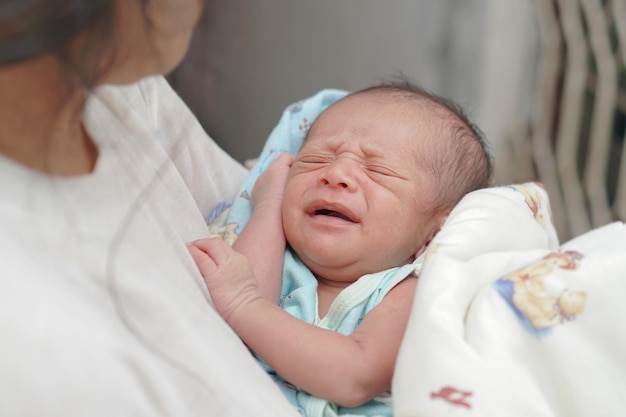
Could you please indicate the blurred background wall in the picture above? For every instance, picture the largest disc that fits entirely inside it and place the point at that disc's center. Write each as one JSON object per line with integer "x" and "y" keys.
{"x": 279, "y": 51}
{"x": 544, "y": 79}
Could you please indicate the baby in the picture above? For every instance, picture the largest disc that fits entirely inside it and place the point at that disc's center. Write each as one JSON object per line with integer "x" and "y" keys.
{"x": 376, "y": 177}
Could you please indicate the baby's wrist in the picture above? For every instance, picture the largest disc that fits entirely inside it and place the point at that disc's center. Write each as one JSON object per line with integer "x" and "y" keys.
{"x": 246, "y": 311}
{"x": 269, "y": 205}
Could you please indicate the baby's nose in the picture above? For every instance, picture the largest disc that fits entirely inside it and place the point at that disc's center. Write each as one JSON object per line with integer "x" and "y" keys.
{"x": 341, "y": 173}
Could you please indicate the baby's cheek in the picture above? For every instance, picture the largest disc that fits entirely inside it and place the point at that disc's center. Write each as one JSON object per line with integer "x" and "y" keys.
{"x": 289, "y": 224}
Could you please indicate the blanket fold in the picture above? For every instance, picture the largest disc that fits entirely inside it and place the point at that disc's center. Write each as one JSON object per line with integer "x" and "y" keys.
{"x": 507, "y": 322}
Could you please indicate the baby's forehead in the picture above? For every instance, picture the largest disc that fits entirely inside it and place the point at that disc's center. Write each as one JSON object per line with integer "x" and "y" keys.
{"x": 385, "y": 106}
{"x": 334, "y": 142}
{"x": 370, "y": 117}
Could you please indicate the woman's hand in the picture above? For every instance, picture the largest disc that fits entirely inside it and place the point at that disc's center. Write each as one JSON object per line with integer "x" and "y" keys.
{"x": 227, "y": 274}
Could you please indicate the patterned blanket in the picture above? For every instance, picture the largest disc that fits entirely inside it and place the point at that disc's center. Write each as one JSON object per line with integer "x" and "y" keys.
{"x": 508, "y": 323}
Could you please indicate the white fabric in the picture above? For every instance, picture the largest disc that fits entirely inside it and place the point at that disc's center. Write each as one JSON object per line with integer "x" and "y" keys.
{"x": 102, "y": 312}
{"x": 468, "y": 352}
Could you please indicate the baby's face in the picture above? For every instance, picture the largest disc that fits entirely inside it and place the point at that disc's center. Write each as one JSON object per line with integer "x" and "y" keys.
{"x": 357, "y": 197}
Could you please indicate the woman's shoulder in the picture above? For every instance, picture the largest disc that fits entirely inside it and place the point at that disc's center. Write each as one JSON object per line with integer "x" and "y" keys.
{"x": 146, "y": 93}
{"x": 150, "y": 102}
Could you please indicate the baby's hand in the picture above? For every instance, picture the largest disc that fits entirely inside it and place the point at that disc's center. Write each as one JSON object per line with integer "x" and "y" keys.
{"x": 227, "y": 274}
{"x": 270, "y": 186}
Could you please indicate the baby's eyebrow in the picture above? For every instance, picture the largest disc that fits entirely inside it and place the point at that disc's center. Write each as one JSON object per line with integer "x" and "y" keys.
{"x": 370, "y": 149}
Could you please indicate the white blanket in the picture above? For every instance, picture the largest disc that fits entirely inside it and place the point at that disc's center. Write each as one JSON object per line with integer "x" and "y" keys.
{"x": 508, "y": 323}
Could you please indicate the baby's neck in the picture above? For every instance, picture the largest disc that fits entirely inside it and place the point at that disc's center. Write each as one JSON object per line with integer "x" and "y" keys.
{"x": 327, "y": 291}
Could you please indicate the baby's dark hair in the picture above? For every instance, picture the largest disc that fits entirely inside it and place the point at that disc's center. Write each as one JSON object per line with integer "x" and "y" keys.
{"x": 460, "y": 164}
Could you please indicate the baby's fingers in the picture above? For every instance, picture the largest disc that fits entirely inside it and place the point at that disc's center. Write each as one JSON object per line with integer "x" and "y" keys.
{"x": 203, "y": 261}
{"x": 214, "y": 258}
{"x": 208, "y": 254}
{"x": 215, "y": 248}
{"x": 227, "y": 274}
{"x": 285, "y": 159}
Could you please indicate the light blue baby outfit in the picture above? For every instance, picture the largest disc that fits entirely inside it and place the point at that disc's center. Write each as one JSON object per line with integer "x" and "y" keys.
{"x": 299, "y": 286}
{"x": 299, "y": 298}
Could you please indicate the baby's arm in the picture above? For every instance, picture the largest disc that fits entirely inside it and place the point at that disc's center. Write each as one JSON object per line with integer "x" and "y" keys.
{"x": 348, "y": 370}
{"x": 262, "y": 241}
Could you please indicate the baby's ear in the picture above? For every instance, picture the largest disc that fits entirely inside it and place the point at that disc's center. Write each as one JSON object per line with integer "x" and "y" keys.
{"x": 437, "y": 224}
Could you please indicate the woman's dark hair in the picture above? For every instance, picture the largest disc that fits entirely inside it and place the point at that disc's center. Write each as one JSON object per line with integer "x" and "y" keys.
{"x": 32, "y": 28}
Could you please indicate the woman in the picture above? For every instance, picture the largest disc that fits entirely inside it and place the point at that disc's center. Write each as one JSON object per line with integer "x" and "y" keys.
{"x": 102, "y": 310}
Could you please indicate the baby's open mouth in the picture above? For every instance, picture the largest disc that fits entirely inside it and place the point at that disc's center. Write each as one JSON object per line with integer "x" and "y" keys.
{"x": 333, "y": 213}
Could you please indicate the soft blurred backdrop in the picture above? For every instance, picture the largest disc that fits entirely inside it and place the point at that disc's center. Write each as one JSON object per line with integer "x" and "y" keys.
{"x": 544, "y": 79}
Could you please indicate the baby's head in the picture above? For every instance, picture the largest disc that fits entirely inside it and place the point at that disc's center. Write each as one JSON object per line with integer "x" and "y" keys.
{"x": 452, "y": 149}
{"x": 376, "y": 177}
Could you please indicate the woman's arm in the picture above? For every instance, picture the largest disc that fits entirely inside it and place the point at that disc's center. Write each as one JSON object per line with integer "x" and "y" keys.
{"x": 348, "y": 370}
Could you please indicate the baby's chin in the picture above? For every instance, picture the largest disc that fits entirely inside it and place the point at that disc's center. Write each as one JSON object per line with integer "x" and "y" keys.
{"x": 332, "y": 264}
{"x": 344, "y": 274}
{"x": 332, "y": 269}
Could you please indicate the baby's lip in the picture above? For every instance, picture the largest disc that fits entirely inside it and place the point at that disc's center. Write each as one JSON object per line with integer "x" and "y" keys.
{"x": 325, "y": 208}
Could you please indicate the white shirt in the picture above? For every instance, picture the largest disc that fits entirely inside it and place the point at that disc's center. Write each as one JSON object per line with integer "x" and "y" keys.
{"x": 102, "y": 311}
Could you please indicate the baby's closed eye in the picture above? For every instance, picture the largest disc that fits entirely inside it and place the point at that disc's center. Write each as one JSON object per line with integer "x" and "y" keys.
{"x": 314, "y": 159}
{"x": 380, "y": 169}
